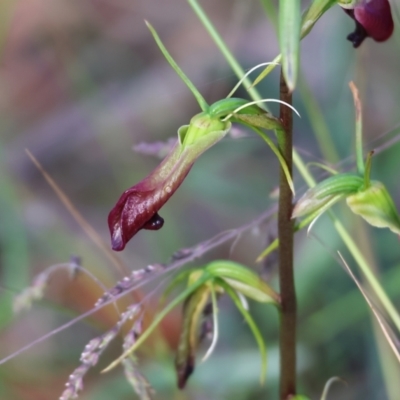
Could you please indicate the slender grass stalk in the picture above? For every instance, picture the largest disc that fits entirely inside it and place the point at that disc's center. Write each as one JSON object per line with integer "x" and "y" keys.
{"x": 287, "y": 333}
{"x": 317, "y": 121}
{"x": 237, "y": 69}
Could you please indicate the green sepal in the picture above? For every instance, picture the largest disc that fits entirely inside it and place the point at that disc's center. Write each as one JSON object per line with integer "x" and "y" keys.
{"x": 194, "y": 140}
{"x": 243, "y": 280}
{"x": 376, "y": 206}
{"x": 203, "y": 127}
{"x": 326, "y": 193}
{"x": 192, "y": 312}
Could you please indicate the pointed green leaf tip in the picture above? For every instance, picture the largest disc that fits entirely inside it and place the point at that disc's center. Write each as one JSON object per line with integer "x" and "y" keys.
{"x": 289, "y": 39}
{"x": 376, "y": 206}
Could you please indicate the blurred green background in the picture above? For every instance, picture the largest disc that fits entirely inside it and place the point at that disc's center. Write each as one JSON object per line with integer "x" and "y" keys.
{"x": 82, "y": 82}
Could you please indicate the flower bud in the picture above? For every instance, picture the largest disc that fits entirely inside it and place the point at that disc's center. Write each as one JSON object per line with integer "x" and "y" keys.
{"x": 376, "y": 206}
{"x": 322, "y": 196}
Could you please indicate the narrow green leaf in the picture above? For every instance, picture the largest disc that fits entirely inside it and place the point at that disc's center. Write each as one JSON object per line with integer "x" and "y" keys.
{"x": 278, "y": 154}
{"x": 200, "y": 99}
{"x": 313, "y": 13}
{"x": 252, "y": 325}
{"x": 310, "y": 17}
{"x": 289, "y": 39}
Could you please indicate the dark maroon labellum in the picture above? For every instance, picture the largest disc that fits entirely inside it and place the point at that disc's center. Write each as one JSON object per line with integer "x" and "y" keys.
{"x": 373, "y": 19}
{"x": 138, "y": 206}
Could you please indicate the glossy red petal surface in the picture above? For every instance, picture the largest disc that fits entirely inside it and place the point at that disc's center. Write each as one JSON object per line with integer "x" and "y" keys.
{"x": 376, "y": 18}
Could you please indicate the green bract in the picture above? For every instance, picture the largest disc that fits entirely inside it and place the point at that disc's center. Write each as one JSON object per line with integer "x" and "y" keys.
{"x": 327, "y": 193}
{"x": 376, "y": 206}
{"x": 368, "y": 199}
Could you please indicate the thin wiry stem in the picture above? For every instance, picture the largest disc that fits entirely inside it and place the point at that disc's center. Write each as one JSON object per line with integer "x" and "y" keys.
{"x": 287, "y": 334}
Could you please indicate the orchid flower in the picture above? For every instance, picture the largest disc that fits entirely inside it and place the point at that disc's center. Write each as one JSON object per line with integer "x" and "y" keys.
{"x": 373, "y": 19}
{"x": 138, "y": 206}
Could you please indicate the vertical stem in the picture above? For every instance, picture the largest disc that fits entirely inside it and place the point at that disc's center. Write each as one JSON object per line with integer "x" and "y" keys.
{"x": 287, "y": 338}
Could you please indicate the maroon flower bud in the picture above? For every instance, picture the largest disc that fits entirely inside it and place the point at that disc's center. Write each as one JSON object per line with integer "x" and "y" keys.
{"x": 138, "y": 206}
{"x": 373, "y": 18}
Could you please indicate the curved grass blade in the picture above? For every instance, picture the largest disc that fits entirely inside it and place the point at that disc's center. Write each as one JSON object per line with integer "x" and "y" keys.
{"x": 328, "y": 385}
